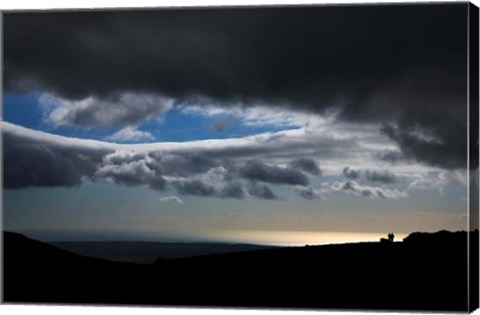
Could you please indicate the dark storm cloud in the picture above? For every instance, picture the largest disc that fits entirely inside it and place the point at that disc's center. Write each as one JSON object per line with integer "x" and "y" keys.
{"x": 381, "y": 176}
{"x": 30, "y": 163}
{"x": 379, "y": 64}
{"x": 442, "y": 147}
{"x": 194, "y": 187}
{"x": 262, "y": 191}
{"x": 307, "y": 165}
{"x": 391, "y": 156}
{"x": 255, "y": 170}
{"x": 300, "y": 54}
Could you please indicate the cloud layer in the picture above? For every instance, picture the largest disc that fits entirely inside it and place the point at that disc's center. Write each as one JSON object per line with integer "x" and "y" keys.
{"x": 230, "y": 168}
{"x": 351, "y": 186}
{"x": 124, "y": 109}
{"x": 31, "y": 161}
{"x": 122, "y": 68}
{"x": 382, "y": 176}
{"x": 172, "y": 51}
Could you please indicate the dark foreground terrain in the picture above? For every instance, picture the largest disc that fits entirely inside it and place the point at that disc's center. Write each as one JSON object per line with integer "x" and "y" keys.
{"x": 425, "y": 272}
{"x": 148, "y": 252}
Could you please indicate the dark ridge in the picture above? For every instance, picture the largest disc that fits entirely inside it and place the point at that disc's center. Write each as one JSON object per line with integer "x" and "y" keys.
{"x": 439, "y": 237}
{"x": 426, "y": 272}
{"x": 148, "y": 252}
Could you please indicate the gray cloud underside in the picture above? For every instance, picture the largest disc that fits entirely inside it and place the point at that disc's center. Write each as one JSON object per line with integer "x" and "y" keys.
{"x": 352, "y": 186}
{"x": 381, "y": 176}
{"x": 309, "y": 193}
{"x": 34, "y": 158}
{"x": 378, "y": 67}
{"x": 30, "y": 161}
{"x": 255, "y": 170}
{"x": 262, "y": 191}
{"x": 447, "y": 151}
{"x": 207, "y": 168}
{"x": 307, "y": 165}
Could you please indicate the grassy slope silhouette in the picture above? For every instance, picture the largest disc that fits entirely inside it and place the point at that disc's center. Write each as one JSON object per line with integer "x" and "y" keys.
{"x": 425, "y": 272}
{"x": 148, "y": 252}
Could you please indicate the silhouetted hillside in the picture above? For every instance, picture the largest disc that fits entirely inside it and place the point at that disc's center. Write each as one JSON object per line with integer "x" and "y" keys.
{"x": 438, "y": 238}
{"x": 148, "y": 252}
{"x": 415, "y": 275}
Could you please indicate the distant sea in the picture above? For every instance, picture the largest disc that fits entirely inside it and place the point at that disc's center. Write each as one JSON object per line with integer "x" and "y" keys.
{"x": 257, "y": 237}
{"x": 297, "y": 238}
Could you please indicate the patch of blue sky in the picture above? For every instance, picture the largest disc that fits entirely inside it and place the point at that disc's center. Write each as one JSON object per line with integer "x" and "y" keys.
{"x": 23, "y": 109}
{"x": 177, "y": 125}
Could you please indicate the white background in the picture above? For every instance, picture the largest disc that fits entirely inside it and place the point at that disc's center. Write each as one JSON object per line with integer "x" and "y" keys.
{"x": 97, "y": 310}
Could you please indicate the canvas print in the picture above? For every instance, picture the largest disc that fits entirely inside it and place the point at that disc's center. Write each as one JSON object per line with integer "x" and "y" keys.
{"x": 296, "y": 157}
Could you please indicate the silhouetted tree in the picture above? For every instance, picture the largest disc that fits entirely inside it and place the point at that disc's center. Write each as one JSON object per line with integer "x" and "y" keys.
{"x": 391, "y": 236}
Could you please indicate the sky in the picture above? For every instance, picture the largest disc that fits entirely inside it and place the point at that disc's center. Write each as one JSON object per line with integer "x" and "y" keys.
{"x": 268, "y": 125}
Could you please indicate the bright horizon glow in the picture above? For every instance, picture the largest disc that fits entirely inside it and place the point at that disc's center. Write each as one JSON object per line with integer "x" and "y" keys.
{"x": 297, "y": 238}
{"x": 254, "y": 237}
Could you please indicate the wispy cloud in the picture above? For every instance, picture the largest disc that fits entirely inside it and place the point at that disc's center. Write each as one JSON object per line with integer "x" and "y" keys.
{"x": 130, "y": 134}
{"x": 353, "y": 187}
{"x": 375, "y": 175}
{"x": 438, "y": 180}
{"x": 118, "y": 110}
{"x": 171, "y": 199}
{"x": 251, "y": 115}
